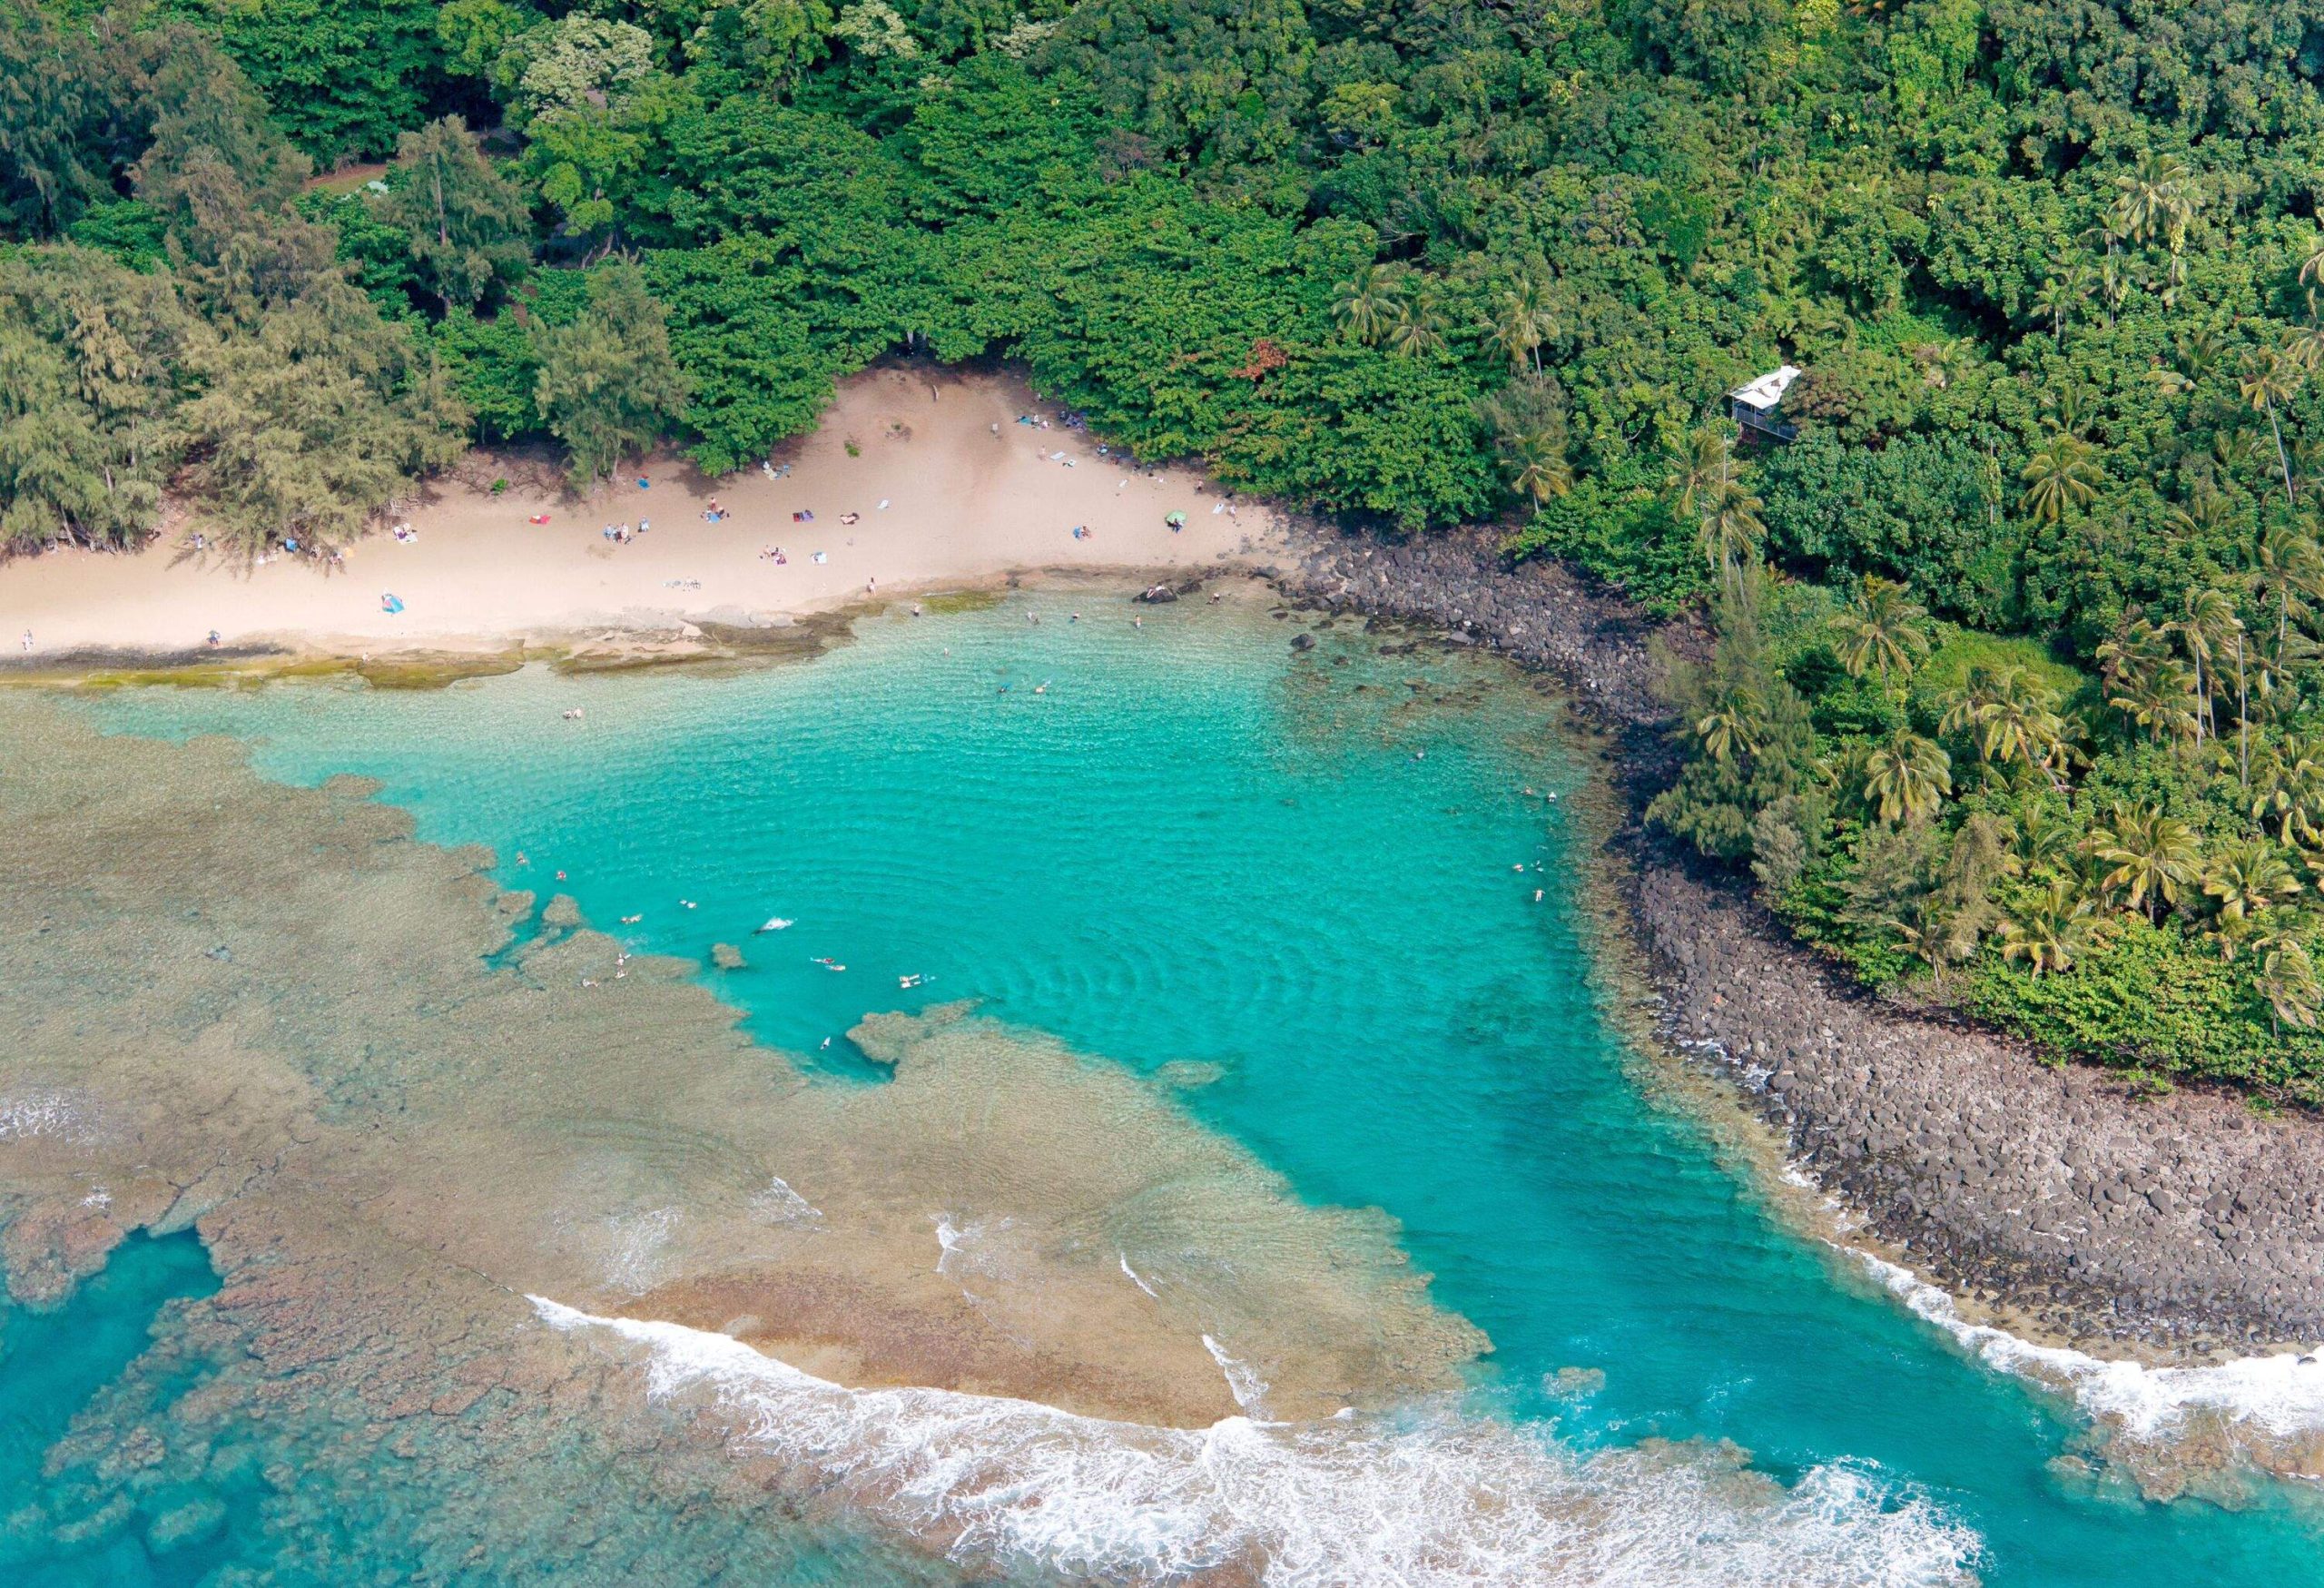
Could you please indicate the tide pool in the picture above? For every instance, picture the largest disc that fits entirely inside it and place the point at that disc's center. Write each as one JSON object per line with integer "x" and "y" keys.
{"x": 1301, "y": 890}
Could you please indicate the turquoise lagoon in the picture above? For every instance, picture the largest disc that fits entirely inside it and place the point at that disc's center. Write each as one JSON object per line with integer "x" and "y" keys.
{"x": 1300, "y": 889}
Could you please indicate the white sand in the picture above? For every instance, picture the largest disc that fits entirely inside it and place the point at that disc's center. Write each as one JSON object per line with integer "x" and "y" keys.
{"x": 972, "y": 496}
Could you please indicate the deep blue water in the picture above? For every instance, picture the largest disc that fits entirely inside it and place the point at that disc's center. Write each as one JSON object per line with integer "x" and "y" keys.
{"x": 1194, "y": 845}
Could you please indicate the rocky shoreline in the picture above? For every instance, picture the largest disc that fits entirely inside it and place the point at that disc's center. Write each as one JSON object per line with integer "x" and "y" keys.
{"x": 2052, "y": 1196}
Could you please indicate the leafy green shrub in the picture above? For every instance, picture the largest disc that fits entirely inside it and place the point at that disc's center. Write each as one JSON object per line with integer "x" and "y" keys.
{"x": 2152, "y": 999}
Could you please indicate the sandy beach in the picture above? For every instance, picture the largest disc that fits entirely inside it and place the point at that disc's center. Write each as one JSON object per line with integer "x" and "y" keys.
{"x": 947, "y": 488}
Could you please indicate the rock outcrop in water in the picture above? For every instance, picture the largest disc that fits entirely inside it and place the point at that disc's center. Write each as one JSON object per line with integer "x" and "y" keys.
{"x": 2052, "y": 1192}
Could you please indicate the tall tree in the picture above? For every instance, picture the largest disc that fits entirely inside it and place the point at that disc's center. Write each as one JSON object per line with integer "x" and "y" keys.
{"x": 1905, "y": 777}
{"x": 52, "y": 94}
{"x": 609, "y": 385}
{"x": 1881, "y": 627}
{"x": 2269, "y": 382}
{"x": 462, "y": 220}
{"x": 310, "y": 419}
{"x": 88, "y": 374}
{"x": 2059, "y": 478}
{"x": 1364, "y": 305}
{"x": 2153, "y": 856}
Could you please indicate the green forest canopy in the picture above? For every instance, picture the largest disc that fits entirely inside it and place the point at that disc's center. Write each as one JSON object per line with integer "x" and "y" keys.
{"x": 2015, "y": 691}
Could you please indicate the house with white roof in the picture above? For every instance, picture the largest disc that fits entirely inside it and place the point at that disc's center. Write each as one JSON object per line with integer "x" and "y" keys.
{"x": 1753, "y": 406}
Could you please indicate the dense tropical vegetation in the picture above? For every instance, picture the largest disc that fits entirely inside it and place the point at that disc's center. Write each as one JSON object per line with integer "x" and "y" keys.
{"x": 2014, "y": 700}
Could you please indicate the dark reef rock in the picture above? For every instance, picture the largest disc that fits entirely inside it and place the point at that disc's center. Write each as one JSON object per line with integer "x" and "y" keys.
{"x": 2051, "y": 1190}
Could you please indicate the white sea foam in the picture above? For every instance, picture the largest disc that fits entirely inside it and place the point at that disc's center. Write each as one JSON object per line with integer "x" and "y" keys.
{"x": 1242, "y": 1380}
{"x": 971, "y": 1251}
{"x": 26, "y": 1114}
{"x": 637, "y": 1257}
{"x": 1134, "y": 1279}
{"x": 1432, "y": 1501}
{"x": 779, "y": 1204}
{"x": 2281, "y": 1395}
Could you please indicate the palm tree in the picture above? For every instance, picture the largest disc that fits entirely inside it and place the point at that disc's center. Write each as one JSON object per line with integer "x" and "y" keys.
{"x": 1524, "y": 316}
{"x": 2288, "y": 784}
{"x": 2247, "y": 877}
{"x": 1731, "y": 728}
{"x": 2267, "y": 383}
{"x": 2200, "y": 352}
{"x": 2059, "y": 476}
{"x": 2012, "y": 715}
{"x": 2284, "y": 563}
{"x": 2113, "y": 287}
{"x": 2305, "y": 350}
{"x": 1710, "y": 485}
{"x": 1417, "y": 327}
{"x": 1906, "y": 776}
{"x": 2208, "y": 623}
{"x": 2287, "y": 980}
{"x": 1540, "y": 468}
{"x": 2156, "y": 197}
{"x": 2045, "y": 838}
{"x": 1881, "y": 627}
{"x": 2052, "y": 927}
{"x": 2203, "y": 518}
{"x": 1364, "y": 306}
{"x": 2153, "y": 856}
{"x": 2174, "y": 291}
{"x": 2159, "y": 696}
{"x": 2065, "y": 286}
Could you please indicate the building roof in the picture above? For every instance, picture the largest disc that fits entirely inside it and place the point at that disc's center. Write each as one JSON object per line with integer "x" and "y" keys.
{"x": 1767, "y": 389}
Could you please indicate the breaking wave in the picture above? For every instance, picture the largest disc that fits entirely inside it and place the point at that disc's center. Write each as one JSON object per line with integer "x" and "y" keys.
{"x": 1429, "y": 1499}
{"x": 2279, "y": 1397}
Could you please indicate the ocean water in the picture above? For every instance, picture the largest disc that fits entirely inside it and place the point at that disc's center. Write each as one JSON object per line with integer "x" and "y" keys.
{"x": 1300, "y": 892}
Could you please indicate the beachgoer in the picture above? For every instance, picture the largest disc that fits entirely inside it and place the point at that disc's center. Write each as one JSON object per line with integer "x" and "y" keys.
{"x": 213, "y": 639}
{"x": 28, "y": 642}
